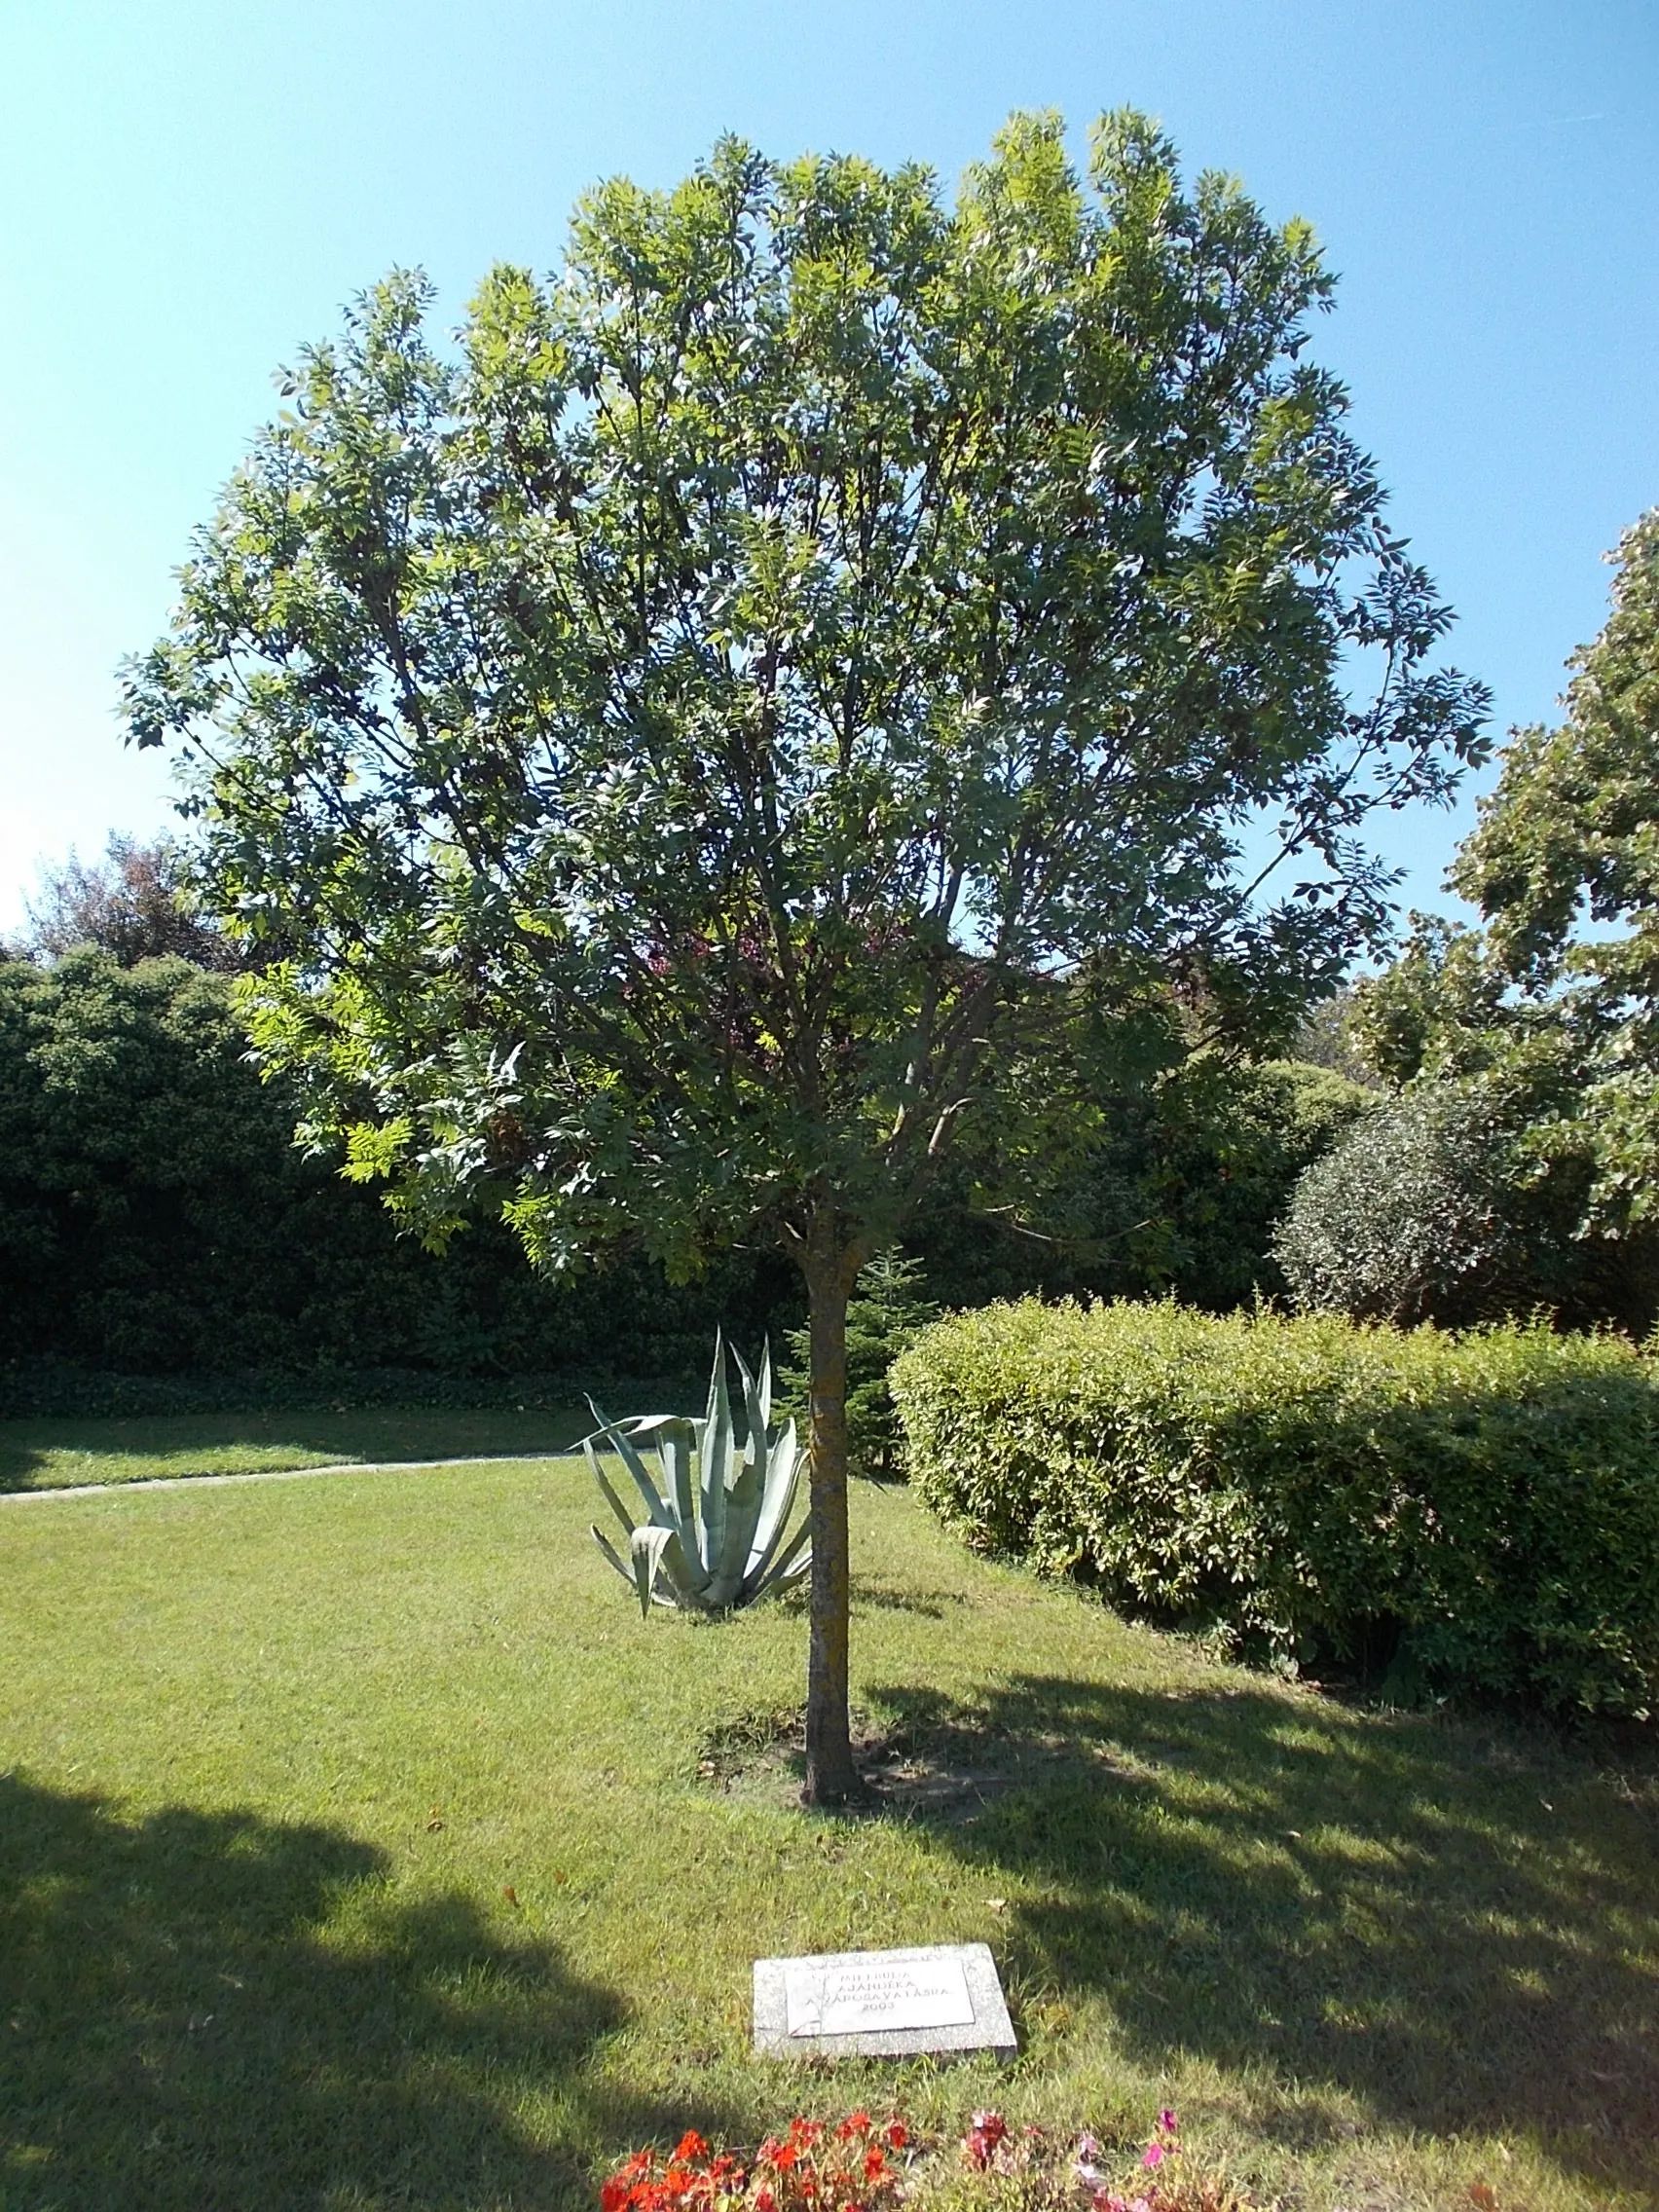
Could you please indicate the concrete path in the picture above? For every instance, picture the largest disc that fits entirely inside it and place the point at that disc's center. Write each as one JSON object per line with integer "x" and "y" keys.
{"x": 274, "y": 1475}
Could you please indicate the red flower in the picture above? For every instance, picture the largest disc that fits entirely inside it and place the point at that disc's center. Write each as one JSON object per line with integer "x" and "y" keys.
{"x": 813, "y": 2168}
{"x": 989, "y": 2128}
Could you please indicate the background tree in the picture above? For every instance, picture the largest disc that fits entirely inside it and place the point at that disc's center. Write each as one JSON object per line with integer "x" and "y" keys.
{"x": 1528, "y": 1048}
{"x": 137, "y": 905}
{"x": 1571, "y": 837}
{"x": 1325, "y": 1038}
{"x": 762, "y": 701}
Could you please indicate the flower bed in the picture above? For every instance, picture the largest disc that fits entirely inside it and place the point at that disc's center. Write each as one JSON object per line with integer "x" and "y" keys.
{"x": 848, "y": 2167}
{"x": 860, "y": 2165}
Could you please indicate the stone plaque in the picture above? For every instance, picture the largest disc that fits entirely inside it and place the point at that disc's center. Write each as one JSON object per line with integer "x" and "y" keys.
{"x": 828, "y": 2000}
{"x": 944, "y": 1997}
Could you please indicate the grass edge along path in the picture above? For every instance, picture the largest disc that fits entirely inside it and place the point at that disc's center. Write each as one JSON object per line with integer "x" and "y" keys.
{"x": 93, "y": 1486}
{"x": 101, "y": 1452}
{"x": 361, "y": 1845}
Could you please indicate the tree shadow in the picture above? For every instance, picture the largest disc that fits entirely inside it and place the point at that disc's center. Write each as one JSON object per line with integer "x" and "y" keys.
{"x": 1461, "y": 1929}
{"x": 215, "y": 2010}
{"x": 875, "y": 1593}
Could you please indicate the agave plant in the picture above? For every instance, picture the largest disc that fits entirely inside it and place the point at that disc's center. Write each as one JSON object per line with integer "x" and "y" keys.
{"x": 716, "y": 1510}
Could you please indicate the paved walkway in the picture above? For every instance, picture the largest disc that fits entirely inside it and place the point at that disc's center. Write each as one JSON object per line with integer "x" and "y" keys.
{"x": 274, "y": 1475}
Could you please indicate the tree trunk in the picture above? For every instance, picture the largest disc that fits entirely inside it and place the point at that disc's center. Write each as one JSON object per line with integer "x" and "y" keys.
{"x": 831, "y": 1779}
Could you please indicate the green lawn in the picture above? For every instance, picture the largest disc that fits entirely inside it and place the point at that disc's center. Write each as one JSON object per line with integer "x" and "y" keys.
{"x": 273, "y": 1758}
{"x": 53, "y": 1455}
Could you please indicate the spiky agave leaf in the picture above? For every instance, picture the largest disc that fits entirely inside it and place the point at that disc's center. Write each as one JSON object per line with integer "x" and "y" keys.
{"x": 615, "y": 1433}
{"x": 648, "y": 1548}
{"x": 610, "y": 1550}
{"x": 783, "y": 1470}
{"x": 715, "y": 1522}
{"x": 597, "y": 1470}
{"x": 746, "y": 1494}
{"x": 790, "y": 1565}
{"x": 715, "y": 1457}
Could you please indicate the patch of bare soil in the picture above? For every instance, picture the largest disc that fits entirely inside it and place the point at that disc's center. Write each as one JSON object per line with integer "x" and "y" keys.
{"x": 946, "y": 1775}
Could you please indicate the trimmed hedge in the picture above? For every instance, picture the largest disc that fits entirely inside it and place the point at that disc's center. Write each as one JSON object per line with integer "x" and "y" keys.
{"x": 157, "y": 1220}
{"x": 53, "y": 1390}
{"x": 1486, "y": 1505}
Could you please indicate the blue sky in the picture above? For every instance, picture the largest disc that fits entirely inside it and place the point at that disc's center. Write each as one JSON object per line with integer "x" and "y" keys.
{"x": 191, "y": 189}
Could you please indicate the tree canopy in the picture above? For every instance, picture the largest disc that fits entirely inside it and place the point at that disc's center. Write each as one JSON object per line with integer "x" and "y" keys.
{"x": 1554, "y": 997}
{"x": 134, "y": 905}
{"x": 760, "y": 699}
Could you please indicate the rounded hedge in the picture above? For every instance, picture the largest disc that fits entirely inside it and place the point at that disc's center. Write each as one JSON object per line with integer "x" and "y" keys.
{"x": 1488, "y": 1504}
{"x": 1406, "y": 1220}
{"x": 1462, "y": 1202}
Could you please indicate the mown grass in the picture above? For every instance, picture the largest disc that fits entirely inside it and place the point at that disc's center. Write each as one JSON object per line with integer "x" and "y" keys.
{"x": 53, "y": 1455}
{"x": 355, "y": 1853}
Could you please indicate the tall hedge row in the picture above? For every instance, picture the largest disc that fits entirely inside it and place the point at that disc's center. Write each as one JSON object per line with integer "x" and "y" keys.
{"x": 1489, "y": 1503}
{"x": 156, "y": 1219}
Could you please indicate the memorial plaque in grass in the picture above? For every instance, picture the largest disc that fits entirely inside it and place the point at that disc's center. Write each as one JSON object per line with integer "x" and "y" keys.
{"x": 942, "y": 1997}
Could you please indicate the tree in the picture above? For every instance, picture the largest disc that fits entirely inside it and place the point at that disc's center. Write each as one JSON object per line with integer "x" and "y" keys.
{"x": 1552, "y": 1031}
{"x": 1572, "y": 834}
{"x": 760, "y": 701}
{"x": 136, "y": 906}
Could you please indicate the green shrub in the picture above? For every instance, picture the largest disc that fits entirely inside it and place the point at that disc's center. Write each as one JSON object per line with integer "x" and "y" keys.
{"x": 1406, "y": 1220}
{"x": 1190, "y": 1171}
{"x": 1489, "y": 1503}
{"x": 1462, "y": 1202}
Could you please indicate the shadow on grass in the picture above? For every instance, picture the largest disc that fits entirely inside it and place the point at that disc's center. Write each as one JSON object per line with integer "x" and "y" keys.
{"x": 1460, "y": 1930}
{"x": 133, "y": 1447}
{"x": 177, "y": 2029}
{"x": 874, "y": 1592}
